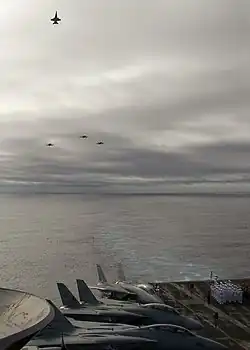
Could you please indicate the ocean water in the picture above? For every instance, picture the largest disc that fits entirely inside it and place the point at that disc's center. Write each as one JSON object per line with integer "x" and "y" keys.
{"x": 49, "y": 238}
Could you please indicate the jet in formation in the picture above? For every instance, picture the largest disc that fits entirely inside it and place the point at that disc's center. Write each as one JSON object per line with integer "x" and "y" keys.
{"x": 55, "y": 19}
{"x": 83, "y": 136}
{"x": 62, "y": 333}
{"x": 149, "y": 313}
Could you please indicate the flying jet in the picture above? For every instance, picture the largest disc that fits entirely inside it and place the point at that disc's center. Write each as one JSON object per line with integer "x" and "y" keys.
{"x": 55, "y": 19}
{"x": 50, "y": 144}
{"x": 144, "y": 295}
{"x": 97, "y": 337}
{"x": 152, "y": 313}
{"x": 92, "y": 335}
{"x": 83, "y": 136}
{"x": 96, "y": 313}
{"x": 99, "y": 143}
{"x": 112, "y": 290}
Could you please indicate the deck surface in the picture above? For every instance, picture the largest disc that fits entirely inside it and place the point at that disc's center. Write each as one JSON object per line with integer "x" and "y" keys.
{"x": 233, "y": 328}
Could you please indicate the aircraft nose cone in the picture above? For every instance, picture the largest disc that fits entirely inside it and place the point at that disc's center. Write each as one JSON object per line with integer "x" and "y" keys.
{"x": 193, "y": 325}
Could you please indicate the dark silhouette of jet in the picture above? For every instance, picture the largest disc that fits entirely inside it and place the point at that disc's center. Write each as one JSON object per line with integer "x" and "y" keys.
{"x": 56, "y": 19}
{"x": 83, "y": 137}
{"x": 99, "y": 143}
{"x": 50, "y": 144}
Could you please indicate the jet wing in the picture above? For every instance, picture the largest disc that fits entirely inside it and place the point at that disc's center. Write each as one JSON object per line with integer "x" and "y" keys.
{"x": 92, "y": 339}
{"x": 80, "y": 311}
{"x": 113, "y": 289}
{"x": 116, "y": 340}
{"x": 56, "y": 19}
{"x": 101, "y": 312}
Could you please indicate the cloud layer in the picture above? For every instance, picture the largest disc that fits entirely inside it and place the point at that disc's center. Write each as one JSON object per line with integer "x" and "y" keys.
{"x": 165, "y": 85}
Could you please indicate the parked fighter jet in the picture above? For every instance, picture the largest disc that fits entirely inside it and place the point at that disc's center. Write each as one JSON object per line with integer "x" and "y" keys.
{"x": 152, "y": 313}
{"x": 112, "y": 290}
{"x": 96, "y": 313}
{"x": 96, "y": 336}
{"x": 170, "y": 336}
{"x": 98, "y": 342}
{"x": 87, "y": 298}
{"x": 144, "y": 295}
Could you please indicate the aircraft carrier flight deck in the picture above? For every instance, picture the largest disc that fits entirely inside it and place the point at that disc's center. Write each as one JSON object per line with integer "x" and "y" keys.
{"x": 232, "y": 325}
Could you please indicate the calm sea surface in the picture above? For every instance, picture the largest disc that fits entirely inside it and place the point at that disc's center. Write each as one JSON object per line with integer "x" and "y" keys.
{"x": 49, "y": 238}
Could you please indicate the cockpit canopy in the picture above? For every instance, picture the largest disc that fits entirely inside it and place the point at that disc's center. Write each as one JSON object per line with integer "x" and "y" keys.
{"x": 162, "y": 307}
{"x": 170, "y": 328}
{"x": 147, "y": 287}
{"x": 127, "y": 282}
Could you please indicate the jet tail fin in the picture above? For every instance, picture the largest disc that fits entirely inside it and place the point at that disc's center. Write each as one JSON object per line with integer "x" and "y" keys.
{"x": 101, "y": 276}
{"x": 68, "y": 299}
{"x": 85, "y": 294}
{"x": 120, "y": 273}
{"x": 59, "y": 321}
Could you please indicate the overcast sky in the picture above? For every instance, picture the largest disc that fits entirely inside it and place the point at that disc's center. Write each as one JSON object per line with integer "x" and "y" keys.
{"x": 164, "y": 84}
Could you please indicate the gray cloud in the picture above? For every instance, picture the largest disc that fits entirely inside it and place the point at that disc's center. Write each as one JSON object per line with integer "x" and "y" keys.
{"x": 164, "y": 84}
{"x": 125, "y": 163}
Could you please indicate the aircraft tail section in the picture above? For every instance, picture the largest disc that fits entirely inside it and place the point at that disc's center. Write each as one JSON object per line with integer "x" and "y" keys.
{"x": 101, "y": 276}
{"x": 120, "y": 273}
{"x": 85, "y": 294}
{"x": 68, "y": 299}
{"x": 59, "y": 321}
